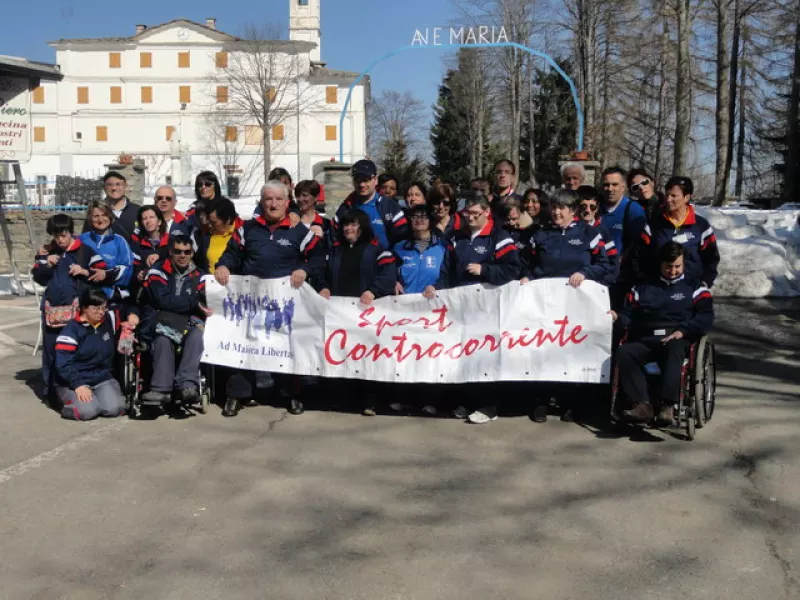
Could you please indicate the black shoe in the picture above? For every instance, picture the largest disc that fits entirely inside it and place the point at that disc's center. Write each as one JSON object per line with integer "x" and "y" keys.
{"x": 251, "y": 403}
{"x": 232, "y": 408}
{"x": 188, "y": 395}
{"x": 666, "y": 416}
{"x": 296, "y": 407}
{"x": 568, "y": 416}
{"x": 540, "y": 414}
{"x": 153, "y": 398}
{"x": 641, "y": 413}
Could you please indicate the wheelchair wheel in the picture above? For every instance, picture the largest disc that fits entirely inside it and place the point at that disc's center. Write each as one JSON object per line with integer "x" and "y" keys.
{"x": 204, "y": 402}
{"x": 705, "y": 381}
{"x": 689, "y": 418}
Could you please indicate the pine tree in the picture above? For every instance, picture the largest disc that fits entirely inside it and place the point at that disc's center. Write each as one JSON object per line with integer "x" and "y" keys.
{"x": 450, "y": 153}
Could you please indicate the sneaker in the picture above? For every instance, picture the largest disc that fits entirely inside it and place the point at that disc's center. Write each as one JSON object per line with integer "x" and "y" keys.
{"x": 153, "y": 398}
{"x": 640, "y": 413}
{"x": 369, "y": 411}
{"x": 568, "y": 416}
{"x": 483, "y": 415}
{"x": 429, "y": 410}
{"x": 296, "y": 407}
{"x": 540, "y": 413}
{"x": 666, "y": 416}
{"x": 189, "y": 395}
{"x": 460, "y": 412}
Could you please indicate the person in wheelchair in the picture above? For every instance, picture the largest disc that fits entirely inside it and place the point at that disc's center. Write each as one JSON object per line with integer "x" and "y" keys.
{"x": 176, "y": 293}
{"x": 663, "y": 317}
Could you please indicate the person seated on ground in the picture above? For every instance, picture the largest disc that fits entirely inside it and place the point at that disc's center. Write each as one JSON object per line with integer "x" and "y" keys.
{"x": 572, "y": 249}
{"x": 150, "y": 241}
{"x": 85, "y": 349}
{"x": 59, "y": 266}
{"x": 111, "y": 260}
{"x": 269, "y": 247}
{"x": 307, "y": 192}
{"x": 176, "y": 291}
{"x": 663, "y": 316}
{"x": 423, "y": 260}
{"x": 358, "y": 267}
{"x": 442, "y": 203}
{"x": 679, "y": 222}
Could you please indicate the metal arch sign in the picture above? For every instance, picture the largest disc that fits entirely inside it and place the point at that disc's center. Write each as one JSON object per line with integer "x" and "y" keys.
{"x": 463, "y": 38}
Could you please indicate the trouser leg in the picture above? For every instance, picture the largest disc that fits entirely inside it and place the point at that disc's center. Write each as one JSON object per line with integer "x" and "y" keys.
{"x": 49, "y": 337}
{"x": 109, "y": 398}
{"x": 163, "y": 365}
{"x": 241, "y": 385}
{"x": 188, "y": 374}
{"x": 631, "y": 359}
{"x": 672, "y": 356}
{"x": 74, "y": 409}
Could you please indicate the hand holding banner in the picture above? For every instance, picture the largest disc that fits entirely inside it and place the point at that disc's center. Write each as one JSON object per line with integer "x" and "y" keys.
{"x": 542, "y": 331}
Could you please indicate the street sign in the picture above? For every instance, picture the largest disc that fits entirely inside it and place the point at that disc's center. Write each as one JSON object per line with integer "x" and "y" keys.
{"x": 15, "y": 119}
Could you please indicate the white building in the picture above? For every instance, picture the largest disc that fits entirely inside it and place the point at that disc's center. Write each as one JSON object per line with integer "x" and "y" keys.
{"x": 171, "y": 94}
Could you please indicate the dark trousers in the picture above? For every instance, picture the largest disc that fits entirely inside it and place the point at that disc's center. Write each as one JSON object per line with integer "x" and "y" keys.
{"x": 633, "y": 356}
{"x": 242, "y": 384}
{"x": 49, "y": 338}
{"x": 165, "y": 376}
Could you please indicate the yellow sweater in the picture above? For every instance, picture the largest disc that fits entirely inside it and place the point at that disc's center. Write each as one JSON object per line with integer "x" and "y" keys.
{"x": 216, "y": 247}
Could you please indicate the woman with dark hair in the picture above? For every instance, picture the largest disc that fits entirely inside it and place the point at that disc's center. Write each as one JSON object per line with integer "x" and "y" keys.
{"x": 207, "y": 186}
{"x": 111, "y": 260}
{"x": 358, "y": 267}
{"x": 151, "y": 242}
{"x": 424, "y": 259}
{"x": 536, "y": 204}
{"x": 282, "y": 175}
{"x": 678, "y": 222}
{"x": 306, "y": 193}
{"x": 643, "y": 188}
{"x": 59, "y": 266}
{"x": 416, "y": 193}
{"x": 222, "y": 222}
{"x": 85, "y": 350}
{"x": 387, "y": 185}
{"x": 443, "y": 205}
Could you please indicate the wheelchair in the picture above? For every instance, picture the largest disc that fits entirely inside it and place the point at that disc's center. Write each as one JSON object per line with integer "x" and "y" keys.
{"x": 135, "y": 377}
{"x": 697, "y": 399}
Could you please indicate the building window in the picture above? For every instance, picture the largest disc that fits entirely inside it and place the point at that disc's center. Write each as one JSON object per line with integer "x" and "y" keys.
{"x": 302, "y": 2}
{"x": 222, "y": 94}
{"x": 330, "y": 133}
{"x": 222, "y": 60}
{"x": 147, "y": 94}
{"x": 145, "y": 60}
{"x": 185, "y": 94}
{"x": 102, "y": 133}
{"x": 277, "y": 133}
{"x": 253, "y": 135}
{"x": 183, "y": 60}
{"x": 38, "y": 134}
{"x": 230, "y": 133}
{"x": 114, "y": 60}
{"x": 170, "y": 131}
{"x": 116, "y": 94}
{"x": 83, "y": 95}
{"x": 38, "y": 95}
{"x": 332, "y": 94}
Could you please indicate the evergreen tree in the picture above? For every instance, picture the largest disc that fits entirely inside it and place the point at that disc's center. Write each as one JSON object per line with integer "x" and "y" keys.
{"x": 450, "y": 153}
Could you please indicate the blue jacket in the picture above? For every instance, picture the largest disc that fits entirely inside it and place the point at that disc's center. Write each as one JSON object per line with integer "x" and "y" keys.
{"x": 388, "y": 220}
{"x": 113, "y": 254}
{"x": 378, "y": 272}
{"x": 625, "y": 224}
{"x": 62, "y": 288}
{"x": 696, "y": 235}
{"x": 255, "y": 250}
{"x": 556, "y": 252}
{"x": 416, "y": 270}
{"x": 85, "y": 355}
{"x": 658, "y": 306}
{"x": 492, "y": 248}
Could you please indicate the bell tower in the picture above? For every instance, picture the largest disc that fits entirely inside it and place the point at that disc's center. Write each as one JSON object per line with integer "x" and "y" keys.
{"x": 304, "y": 24}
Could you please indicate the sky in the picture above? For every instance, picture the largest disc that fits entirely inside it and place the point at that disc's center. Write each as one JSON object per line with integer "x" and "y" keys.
{"x": 354, "y": 32}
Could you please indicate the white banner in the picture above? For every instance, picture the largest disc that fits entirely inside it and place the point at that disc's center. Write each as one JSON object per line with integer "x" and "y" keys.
{"x": 542, "y": 331}
{"x": 15, "y": 119}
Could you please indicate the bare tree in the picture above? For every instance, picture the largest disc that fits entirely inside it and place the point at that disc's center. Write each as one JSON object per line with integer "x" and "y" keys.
{"x": 397, "y": 126}
{"x": 723, "y": 108}
{"x": 683, "y": 92}
{"x": 792, "y": 177}
{"x": 262, "y": 81}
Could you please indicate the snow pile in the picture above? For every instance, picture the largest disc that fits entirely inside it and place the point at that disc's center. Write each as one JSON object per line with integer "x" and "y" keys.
{"x": 759, "y": 249}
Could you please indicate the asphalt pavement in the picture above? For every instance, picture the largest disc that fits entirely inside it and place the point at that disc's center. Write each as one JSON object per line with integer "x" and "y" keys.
{"x": 334, "y": 505}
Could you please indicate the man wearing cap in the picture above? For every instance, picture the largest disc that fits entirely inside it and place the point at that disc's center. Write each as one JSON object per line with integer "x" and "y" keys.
{"x": 385, "y": 216}
{"x": 124, "y": 210}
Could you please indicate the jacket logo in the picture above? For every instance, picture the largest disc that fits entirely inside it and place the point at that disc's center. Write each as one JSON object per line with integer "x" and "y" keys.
{"x": 480, "y": 250}
{"x": 575, "y": 242}
{"x": 618, "y": 226}
{"x": 283, "y": 242}
{"x": 678, "y": 296}
{"x": 106, "y": 336}
{"x": 430, "y": 262}
{"x": 377, "y": 221}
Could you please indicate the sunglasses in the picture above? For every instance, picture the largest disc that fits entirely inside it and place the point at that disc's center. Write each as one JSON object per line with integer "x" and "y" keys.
{"x": 206, "y": 184}
{"x": 176, "y": 252}
{"x": 420, "y": 218}
{"x": 159, "y": 198}
{"x": 588, "y": 206}
{"x": 638, "y": 186}
{"x": 440, "y": 201}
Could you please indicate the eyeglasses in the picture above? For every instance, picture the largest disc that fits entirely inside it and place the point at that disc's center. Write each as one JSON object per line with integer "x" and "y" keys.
{"x": 206, "y": 184}
{"x": 176, "y": 252}
{"x": 638, "y": 186}
{"x": 97, "y": 309}
{"x": 170, "y": 198}
{"x": 474, "y": 214}
{"x": 420, "y": 218}
{"x": 588, "y": 206}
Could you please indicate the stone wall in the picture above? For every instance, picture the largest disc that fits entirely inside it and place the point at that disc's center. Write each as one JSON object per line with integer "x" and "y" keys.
{"x": 21, "y": 246}
{"x": 338, "y": 185}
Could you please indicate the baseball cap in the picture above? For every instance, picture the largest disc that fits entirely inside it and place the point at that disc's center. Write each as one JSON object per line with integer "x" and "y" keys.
{"x": 364, "y": 168}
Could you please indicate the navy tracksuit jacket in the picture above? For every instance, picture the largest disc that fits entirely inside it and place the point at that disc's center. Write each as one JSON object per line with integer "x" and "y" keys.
{"x": 494, "y": 249}
{"x": 377, "y": 273}
{"x": 85, "y": 354}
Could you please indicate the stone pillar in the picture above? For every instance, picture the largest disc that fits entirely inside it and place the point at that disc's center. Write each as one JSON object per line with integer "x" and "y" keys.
{"x": 338, "y": 185}
{"x": 134, "y": 174}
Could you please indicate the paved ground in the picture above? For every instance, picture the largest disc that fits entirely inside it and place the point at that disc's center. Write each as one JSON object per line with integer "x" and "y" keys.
{"x": 332, "y": 505}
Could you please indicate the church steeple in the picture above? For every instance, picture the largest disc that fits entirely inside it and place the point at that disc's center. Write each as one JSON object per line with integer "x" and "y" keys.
{"x": 304, "y": 24}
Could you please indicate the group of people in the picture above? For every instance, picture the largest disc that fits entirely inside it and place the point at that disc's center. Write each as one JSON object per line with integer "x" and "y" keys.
{"x": 141, "y": 269}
